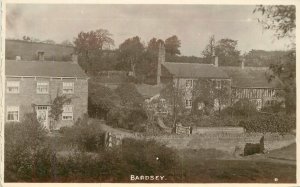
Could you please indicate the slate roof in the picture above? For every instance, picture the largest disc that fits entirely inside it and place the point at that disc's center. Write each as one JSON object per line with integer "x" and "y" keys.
{"x": 195, "y": 70}
{"x": 148, "y": 91}
{"x": 255, "y": 77}
{"x": 43, "y": 68}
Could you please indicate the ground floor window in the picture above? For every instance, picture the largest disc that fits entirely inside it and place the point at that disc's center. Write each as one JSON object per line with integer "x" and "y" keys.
{"x": 13, "y": 113}
{"x": 67, "y": 112}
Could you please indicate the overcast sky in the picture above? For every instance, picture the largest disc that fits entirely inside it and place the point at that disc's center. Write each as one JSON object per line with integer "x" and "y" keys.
{"x": 193, "y": 24}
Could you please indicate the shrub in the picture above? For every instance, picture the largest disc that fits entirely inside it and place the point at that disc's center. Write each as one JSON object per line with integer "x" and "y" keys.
{"x": 27, "y": 157}
{"x": 86, "y": 136}
{"x": 129, "y": 95}
{"x": 275, "y": 123}
{"x": 243, "y": 107}
{"x": 127, "y": 118}
{"x": 101, "y": 100}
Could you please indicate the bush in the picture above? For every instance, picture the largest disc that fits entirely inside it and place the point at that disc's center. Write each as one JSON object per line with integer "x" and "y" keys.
{"x": 101, "y": 100}
{"x": 275, "y": 123}
{"x": 135, "y": 157}
{"x": 27, "y": 157}
{"x": 128, "y": 118}
{"x": 84, "y": 135}
{"x": 130, "y": 97}
{"x": 243, "y": 107}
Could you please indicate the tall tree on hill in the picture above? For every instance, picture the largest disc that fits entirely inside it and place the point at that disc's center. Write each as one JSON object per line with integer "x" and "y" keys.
{"x": 282, "y": 20}
{"x": 89, "y": 45}
{"x": 172, "y": 45}
{"x": 130, "y": 53}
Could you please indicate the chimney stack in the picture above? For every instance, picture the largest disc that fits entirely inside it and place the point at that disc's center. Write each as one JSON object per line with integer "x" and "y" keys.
{"x": 161, "y": 60}
{"x": 243, "y": 63}
{"x": 215, "y": 59}
{"x": 75, "y": 58}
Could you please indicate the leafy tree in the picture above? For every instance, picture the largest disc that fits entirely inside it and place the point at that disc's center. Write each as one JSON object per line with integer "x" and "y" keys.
{"x": 129, "y": 95}
{"x": 225, "y": 49}
{"x": 57, "y": 108}
{"x": 282, "y": 20}
{"x": 101, "y": 100}
{"x": 279, "y": 18}
{"x": 172, "y": 45}
{"x": 90, "y": 45}
{"x": 209, "y": 50}
{"x": 130, "y": 53}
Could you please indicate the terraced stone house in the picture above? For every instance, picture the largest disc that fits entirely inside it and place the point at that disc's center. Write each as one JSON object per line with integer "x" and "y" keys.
{"x": 33, "y": 85}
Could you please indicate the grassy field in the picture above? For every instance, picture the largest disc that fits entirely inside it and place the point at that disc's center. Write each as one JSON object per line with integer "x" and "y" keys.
{"x": 211, "y": 166}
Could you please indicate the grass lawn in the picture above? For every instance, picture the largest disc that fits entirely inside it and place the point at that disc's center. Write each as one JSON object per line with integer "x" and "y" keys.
{"x": 207, "y": 166}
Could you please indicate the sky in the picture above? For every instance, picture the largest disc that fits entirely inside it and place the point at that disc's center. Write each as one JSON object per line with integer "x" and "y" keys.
{"x": 192, "y": 24}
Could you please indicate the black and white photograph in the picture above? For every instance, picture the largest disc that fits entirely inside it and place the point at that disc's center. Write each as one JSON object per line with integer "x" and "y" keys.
{"x": 148, "y": 93}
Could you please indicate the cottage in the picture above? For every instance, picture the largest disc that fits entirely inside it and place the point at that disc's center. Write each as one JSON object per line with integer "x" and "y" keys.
{"x": 38, "y": 83}
{"x": 186, "y": 75}
{"x": 252, "y": 83}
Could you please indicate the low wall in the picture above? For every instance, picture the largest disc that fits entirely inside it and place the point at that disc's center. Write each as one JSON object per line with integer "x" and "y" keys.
{"x": 227, "y": 142}
{"x": 217, "y": 130}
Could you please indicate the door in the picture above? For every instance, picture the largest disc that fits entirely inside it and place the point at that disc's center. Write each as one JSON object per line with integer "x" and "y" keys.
{"x": 42, "y": 115}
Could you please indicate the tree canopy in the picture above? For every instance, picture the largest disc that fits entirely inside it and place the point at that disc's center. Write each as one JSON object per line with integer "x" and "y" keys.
{"x": 172, "y": 45}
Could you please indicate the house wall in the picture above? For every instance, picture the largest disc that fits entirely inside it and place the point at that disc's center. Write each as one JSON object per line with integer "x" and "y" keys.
{"x": 28, "y": 95}
{"x": 263, "y": 95}
{"x": 188, "y": 91}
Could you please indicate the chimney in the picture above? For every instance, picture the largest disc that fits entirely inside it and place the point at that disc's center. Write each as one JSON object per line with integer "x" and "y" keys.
{"x": 215, "y": 59}
{"x": 161, "y": 60}
{"x": 243, "y": 63}
{"x": 18, "y": 57}
{"x": 41, "y": 55}
{"x": 75, "y": 58}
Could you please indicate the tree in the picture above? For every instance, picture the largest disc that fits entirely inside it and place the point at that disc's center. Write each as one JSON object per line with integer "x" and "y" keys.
{"x": 209, "y": 49}
{"x": 279, "y": 18}
{"x": 130, "y": 53}
{"x": 57, "y": 108}
{"x": 225, "y": 49}
{"x": 282, "y": 20}
{"x": 89, "y": 46}
{"x": 172, "y": 45}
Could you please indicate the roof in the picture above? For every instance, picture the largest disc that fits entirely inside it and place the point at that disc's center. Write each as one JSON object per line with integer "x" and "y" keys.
{"x": 255, "y": 77}
{"x": 43, "y": 68}
{"x": 148, "y": 91}
{"x": 29, "y": 50}
{"x": 195, "y": 70}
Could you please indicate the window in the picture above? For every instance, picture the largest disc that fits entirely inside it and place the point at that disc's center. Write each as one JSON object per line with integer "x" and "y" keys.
{"x": 13, "y": 86}
{"x": 218, "y": 84}
{"x": 12, "y": 113}
{"x": 67, "y": 112}
{"x": 188, "y": 103}
{"x": 68, "y": 87}
{"x": 42, "y": 87}
{"x": 189, "y": 83}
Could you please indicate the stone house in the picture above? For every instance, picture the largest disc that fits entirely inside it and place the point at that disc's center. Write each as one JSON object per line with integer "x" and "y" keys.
{"x": 33, "y": 85}
{"x": 252, "y": 83}
{"x": 185, "y": 77}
